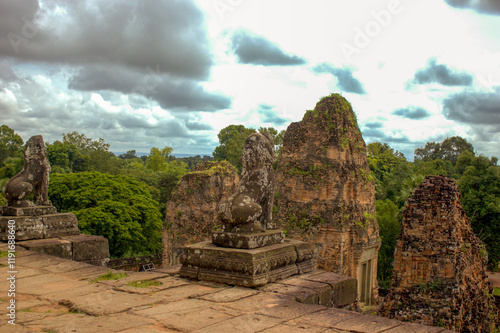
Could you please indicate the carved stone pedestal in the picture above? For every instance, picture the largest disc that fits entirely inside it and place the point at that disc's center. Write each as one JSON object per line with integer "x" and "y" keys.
{"x": 248, "y": 241}
{"x": 246, "y": 267}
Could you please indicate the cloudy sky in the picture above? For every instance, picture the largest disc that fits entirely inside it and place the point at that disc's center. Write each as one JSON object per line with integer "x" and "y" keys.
{"x": 174, "y": 72}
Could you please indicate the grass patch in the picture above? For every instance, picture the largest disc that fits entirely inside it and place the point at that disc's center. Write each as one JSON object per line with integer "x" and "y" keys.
{"x": 75, "y": 311}
{"x": 4, "y": 254}
{"x": 144, "y": 283}
{"x": 110, "y": 276}
{"x": 496, "y": 291}
{"x": 27, "y": 310}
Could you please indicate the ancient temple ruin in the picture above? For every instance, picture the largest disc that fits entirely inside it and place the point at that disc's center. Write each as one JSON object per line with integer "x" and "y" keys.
{"x": 325, "y": 194}
{"x": 35, "y": 224}
{"x": 191, "y": 214}
{"x": 248, "y": 251}
{"x": 440, "y": 265}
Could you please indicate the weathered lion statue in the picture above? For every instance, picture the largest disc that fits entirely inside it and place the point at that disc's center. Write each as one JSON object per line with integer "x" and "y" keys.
{"x": 34, "y": 177}
{"x": 250, "y": 208}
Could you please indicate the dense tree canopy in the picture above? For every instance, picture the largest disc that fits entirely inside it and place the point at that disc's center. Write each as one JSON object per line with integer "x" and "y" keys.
{"x": 11, "y": 144}
{"x": 119, "y": 208}
{"x": 480, "y": 188}
{"x": 448, "y": 150}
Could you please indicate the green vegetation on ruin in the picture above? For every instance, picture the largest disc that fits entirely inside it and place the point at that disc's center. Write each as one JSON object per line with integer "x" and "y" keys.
{"x": 144, "y": 283}
{"x": 314, "y": 171}
{"x": 109, "y": 275}
{"x": 4, "y": 254}
{"x": 337, "y": 108}
{"x": 223, "y": 168}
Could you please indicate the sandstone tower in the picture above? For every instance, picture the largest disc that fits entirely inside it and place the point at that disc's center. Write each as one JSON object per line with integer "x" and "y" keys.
{"x": 325, "y": 194}
{"x": 191, "y": 214}
{"x": 440, "y": 265}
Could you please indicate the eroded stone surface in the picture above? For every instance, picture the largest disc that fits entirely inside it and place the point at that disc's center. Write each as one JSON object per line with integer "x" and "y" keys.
{"x": 440, "y": 265}
{"x": 60, "y": 225}
{"x": 325, "y": 194}
{"x": 26, "y": 227}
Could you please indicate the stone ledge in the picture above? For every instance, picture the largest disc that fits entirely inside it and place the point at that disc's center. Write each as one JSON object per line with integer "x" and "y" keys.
{"x": 83, "y": 248}
{"x": 248, "y": 241}
{"x": 27, "y": 211}
{"x": 40, "y": 227}
{"x": 54, "y": 246}
{"x": 319, "y": 288}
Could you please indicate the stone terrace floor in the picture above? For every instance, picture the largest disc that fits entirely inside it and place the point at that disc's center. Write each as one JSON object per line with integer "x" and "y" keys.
{"x": 57, "y": 295}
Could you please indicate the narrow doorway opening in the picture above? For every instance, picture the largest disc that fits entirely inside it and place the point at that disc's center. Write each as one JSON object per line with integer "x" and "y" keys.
{"x": 366, "y": 282}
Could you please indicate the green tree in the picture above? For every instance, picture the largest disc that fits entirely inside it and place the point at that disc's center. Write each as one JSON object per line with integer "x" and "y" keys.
{"x": 430, "y": 152}
{"x": 389, "y": 167}
{"x": 158, "y": 171}
{"x": 389, "y": 221}
{"x": 277, "y": 137}
{"x": 408, "y": 187}
{"x": 480, "y": 189}
{"x": 65, "y": 158}
{"x": 119, "y": 208}
{"x": 11, "y": 144}
{"x": 82, "y": 143}
{"x": 92, "y": 155}
{"x": 232, "y": 139}
{"x": 158, "y": 158}
{"x": 448, "y": 150}
{"x": 191, "y": 161}
{"x": 11, "y": 156}
{"x": 129, "y": 155}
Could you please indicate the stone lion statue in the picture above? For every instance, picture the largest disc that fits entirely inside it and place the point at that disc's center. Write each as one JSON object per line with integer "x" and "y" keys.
{"x": 34, "y": 177}
{"x": 250, "y": 208}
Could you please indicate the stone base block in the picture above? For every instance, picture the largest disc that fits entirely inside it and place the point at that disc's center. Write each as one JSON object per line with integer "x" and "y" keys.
{"x": 39, "y": 227}
{"x": 56, "y": 247}
{"x": 344, "y": 288}
{"x": 25, "y": 227}
{"x": 250, "y": 268}
{"x": 248, "y": 241}
{"x": 90, "y": 249}
{"x": 60, "y": 225}
{"x": 85, "y": 248}
{"x": 27, "y": 211}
